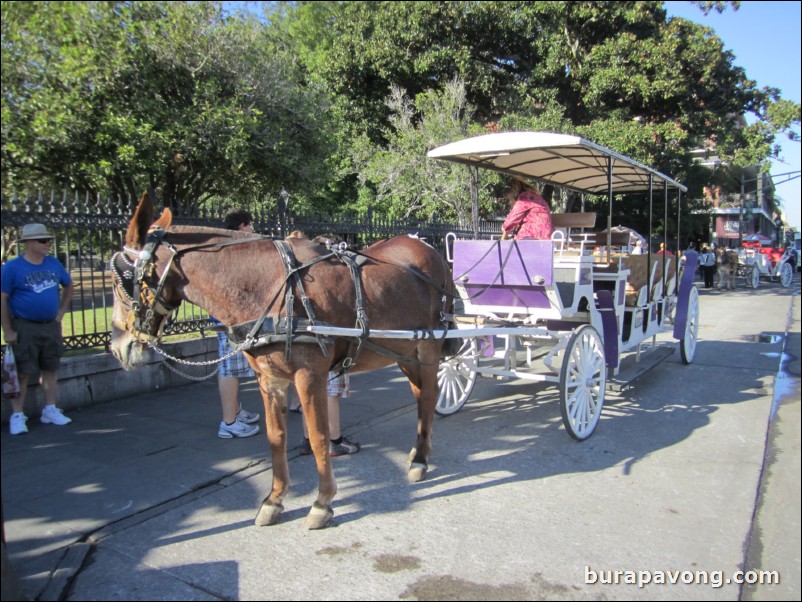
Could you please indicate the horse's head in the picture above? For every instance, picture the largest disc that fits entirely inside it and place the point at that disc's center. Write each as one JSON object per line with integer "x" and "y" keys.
{"x": 142, "y": 298}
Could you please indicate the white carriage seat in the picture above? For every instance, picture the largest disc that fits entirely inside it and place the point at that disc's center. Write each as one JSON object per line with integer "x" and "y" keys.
{"x": 564, "y": 223}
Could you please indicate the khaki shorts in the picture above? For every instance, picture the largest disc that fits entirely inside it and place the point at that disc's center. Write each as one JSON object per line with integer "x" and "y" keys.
{"x": 39, "y": 346}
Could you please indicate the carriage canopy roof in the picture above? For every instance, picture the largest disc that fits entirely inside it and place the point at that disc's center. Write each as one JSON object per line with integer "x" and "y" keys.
{"x": 558, "y": 159}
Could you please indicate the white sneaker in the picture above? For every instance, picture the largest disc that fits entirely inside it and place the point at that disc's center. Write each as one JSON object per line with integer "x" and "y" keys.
{"x": 238, "y": 429}
{"x": 16, "y": 424}
{"x": 54, "y": 415}
{"x": 247, "y": 417}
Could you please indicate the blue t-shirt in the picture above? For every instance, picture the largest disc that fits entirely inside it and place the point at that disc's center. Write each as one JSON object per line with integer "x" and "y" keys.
{"x": 33, "y": 290}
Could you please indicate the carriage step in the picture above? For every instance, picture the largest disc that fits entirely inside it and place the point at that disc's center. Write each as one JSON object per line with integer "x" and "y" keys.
{"x": 633, "y": 370}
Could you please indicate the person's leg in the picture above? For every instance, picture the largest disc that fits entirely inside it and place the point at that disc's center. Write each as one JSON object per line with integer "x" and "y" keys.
{"x": 229, "y": 391}
{"x": 17, "y": 421}
{"x": 18, "y": 403}
{"x": 233, "y": 425}
{"x": 334, "y": 417}
{"x": 49, "y": 382}
{"x": 50, "y": 413}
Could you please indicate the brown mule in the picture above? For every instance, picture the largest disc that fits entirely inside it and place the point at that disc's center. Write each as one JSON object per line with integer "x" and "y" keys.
{"x": 726, "y": 267}
{"x": 239, "y": 277}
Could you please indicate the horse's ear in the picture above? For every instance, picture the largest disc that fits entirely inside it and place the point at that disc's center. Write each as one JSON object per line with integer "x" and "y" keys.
{"x": 141, "y": 222}
{"x": 165, "y": 220}
{"x": 138, "y": 228}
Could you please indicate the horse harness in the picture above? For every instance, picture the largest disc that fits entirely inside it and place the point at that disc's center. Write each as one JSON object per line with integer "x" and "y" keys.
{"x": 138, "y": 271}
{"x": 265, "y": 330}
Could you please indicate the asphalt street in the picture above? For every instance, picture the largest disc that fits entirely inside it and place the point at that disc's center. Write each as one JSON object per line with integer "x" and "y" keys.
{"x": 690, "y": 484}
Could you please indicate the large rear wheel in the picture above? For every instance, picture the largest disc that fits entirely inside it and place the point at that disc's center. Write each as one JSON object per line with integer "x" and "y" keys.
{"x": 456, "y": 377}
{"x": 583, "y": 378}
{"x": 786, "y": 275}
{"x": 687, "y": 344}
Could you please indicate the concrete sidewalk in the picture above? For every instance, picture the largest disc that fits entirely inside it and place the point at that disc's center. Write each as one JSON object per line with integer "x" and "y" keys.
{"x": 138, "y": 499}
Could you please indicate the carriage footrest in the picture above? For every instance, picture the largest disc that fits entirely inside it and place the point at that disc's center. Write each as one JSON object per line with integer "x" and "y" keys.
{"x": 632, "y": 370}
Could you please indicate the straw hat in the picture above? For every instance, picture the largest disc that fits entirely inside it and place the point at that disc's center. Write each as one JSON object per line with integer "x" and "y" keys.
{"x": 34, "y": 232}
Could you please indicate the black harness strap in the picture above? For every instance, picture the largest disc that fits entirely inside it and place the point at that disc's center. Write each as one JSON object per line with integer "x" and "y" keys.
{"x": 292, "y": 270}
{"x": 354, "y": 261}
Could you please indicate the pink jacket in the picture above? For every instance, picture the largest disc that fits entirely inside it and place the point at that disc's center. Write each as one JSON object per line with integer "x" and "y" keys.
{"x": 530, "y": 216}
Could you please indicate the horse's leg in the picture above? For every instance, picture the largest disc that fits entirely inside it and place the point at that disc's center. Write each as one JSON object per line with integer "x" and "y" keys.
{"x": 311, "y": 387}
{"x": 423, "y": 382}
{"x": 274, "y": 394}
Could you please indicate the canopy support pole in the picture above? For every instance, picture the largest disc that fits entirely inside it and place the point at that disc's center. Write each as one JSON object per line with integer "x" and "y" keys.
{"x": 609, "y": 205}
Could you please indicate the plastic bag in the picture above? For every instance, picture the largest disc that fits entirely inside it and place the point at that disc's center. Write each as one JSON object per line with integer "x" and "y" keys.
{"x": 10, "y": 378}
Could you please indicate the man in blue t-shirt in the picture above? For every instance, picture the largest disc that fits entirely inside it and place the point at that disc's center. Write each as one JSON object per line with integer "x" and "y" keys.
{"x": 36, "y": 293}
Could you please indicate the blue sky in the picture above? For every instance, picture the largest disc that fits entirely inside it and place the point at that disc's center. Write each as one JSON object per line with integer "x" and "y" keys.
{"x": 765, "y": 39}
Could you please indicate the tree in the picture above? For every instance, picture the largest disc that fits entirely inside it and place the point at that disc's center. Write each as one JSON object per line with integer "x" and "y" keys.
{"x": 402, "y": 179}
{"x": 618, "y": 73}
{"x": 119, "y": 96}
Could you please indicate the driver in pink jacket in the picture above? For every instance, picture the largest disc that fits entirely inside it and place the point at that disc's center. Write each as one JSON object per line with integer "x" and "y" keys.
{"x": 530, "y": 216}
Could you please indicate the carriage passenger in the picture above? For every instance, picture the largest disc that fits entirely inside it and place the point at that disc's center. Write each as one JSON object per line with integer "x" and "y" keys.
{"x": 530, "y": 216}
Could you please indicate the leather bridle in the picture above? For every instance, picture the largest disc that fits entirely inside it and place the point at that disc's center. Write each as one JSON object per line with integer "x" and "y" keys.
{"x": 144, "y": 297}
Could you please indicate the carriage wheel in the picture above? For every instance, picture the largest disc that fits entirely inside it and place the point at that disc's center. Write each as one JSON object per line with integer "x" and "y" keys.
{"x": 754, "y": 277}
{"x": 687, "y": 344}
{"x": 583, "y": 378}
{"x": 786, "y": 275}
{"x": 456, "y": 377}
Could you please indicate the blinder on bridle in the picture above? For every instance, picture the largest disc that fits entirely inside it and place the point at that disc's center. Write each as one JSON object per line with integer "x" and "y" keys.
{"x": 134, "y": 288}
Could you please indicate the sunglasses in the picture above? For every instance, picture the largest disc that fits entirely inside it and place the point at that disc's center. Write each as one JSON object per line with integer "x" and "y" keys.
{"x": 44, "y": 241}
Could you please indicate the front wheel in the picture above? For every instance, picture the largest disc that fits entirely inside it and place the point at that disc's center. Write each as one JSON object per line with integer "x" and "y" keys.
{"x": 583, "y": 378}
{"x": 687, "y": 344}
{"x": 754, "y": 277}
{"x": 456, "y": 377}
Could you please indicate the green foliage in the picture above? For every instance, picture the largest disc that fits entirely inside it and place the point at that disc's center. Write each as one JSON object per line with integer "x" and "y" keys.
{"x": 404, "y": 182}
{"x": 124, "y": 95}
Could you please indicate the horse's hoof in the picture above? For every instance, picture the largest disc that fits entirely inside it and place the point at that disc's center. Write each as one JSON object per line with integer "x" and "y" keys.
{"x": 417, "y": 472}
{"x": 268, "y": 514}
{"x": 318, "y": 517}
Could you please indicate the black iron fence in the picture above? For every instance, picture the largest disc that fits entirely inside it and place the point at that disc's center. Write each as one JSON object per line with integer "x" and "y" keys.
{"x": 88, "y": 230}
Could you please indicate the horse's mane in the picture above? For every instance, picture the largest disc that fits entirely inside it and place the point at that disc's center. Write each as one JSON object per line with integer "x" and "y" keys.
{"x": 179, "y": 229}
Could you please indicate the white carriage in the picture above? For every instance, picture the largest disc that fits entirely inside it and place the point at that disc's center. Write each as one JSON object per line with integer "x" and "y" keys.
{"x": 558, "y": 311}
